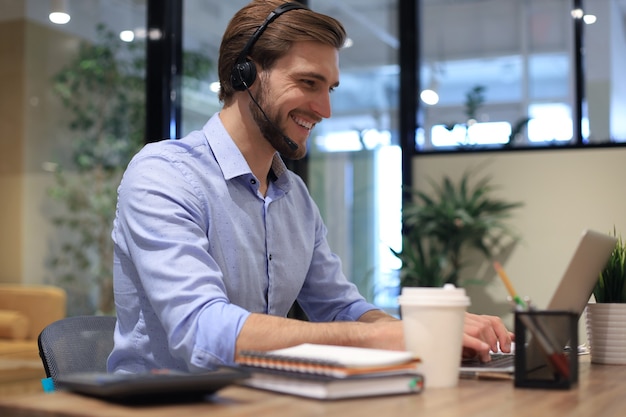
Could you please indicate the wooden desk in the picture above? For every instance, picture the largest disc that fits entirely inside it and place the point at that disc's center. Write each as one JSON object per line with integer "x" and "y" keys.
{"x": 601, "y": 391}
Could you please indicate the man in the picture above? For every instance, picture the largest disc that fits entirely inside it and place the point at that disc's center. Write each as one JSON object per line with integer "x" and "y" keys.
{"x": 215, "y": 239}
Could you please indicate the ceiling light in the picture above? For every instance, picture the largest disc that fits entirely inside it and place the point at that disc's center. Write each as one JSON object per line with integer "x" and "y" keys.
{"x": 577, "y": 13}
{"x": 59, "y": 12}
{"x": 429, "y": 97}
{"x": 127, "y": 35}
{"x": 215, "y": 87}
{"x": 589, "y": 19}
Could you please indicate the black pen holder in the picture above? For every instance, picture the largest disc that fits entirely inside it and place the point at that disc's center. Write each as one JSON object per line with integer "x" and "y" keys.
{"x": 546, "y": 349}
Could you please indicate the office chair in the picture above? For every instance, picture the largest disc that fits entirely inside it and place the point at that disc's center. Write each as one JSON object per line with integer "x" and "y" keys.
{"x": 76, "y": 344}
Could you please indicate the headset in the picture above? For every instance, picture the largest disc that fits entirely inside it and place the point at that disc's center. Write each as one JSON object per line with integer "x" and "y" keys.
{"x": 243, "y": 73}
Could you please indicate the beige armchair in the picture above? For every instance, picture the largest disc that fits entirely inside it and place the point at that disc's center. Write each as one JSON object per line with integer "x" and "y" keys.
{"x": 24, "y": 311}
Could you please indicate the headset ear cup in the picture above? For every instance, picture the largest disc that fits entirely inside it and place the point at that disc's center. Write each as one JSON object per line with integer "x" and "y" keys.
{"x": 243, "y": 75}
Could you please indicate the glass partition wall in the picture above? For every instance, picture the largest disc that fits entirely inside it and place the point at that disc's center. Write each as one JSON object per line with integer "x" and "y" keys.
{"x": 71, "y": 103}
{"x": 355, "y": 157}
{"x": 353, "y": 165}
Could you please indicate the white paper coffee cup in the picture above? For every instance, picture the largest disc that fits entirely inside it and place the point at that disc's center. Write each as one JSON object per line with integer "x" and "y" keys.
{"x": 433, "y": 330}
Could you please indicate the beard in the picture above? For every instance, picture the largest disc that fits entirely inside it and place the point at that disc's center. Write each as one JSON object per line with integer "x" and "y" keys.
{"x": 270, "y": 126}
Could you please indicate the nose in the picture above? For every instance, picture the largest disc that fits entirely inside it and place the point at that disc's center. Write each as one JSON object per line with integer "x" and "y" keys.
{"x": 321, "y": 105}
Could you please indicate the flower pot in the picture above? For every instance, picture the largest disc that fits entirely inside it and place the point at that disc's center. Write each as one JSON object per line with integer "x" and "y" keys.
{"x": 606, "y": 332}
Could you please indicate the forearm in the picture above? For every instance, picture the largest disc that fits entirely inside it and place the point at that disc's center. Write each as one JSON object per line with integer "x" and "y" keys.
{"x": 264, "y": 332}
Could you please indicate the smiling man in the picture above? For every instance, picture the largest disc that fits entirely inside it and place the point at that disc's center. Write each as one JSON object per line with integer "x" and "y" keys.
{"x": 215, "y": 239}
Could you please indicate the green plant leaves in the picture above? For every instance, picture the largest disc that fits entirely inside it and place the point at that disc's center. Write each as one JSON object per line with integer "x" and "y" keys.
{"x": 441, "y": 225}
{"x": 611, "y": 285}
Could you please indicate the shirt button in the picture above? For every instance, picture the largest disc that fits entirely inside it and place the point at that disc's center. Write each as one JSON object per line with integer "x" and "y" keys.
{"x": 270, "y": 257}
{"x": 252, "y": 181}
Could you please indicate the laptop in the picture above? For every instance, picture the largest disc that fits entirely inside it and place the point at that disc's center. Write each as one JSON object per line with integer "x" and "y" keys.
{"x": 572, "y": 294}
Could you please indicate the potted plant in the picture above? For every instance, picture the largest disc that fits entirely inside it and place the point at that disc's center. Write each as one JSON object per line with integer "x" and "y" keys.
{"x": 606, "y": 318}
{"x": 441, "y": 227}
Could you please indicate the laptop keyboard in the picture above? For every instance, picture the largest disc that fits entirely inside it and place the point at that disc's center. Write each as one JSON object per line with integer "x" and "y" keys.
{"x": 498, "y": 360}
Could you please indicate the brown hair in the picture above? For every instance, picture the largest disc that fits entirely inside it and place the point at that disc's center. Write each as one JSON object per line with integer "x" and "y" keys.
{"x": 293, "y": 26}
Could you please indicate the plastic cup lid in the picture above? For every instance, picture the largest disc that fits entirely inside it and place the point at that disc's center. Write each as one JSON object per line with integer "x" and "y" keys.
{"x": 448, "y": 295}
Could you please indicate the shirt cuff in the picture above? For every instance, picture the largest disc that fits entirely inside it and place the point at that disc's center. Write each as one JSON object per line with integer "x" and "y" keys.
{"x": 355, "y": 310}
{"x": 218, "y": 327}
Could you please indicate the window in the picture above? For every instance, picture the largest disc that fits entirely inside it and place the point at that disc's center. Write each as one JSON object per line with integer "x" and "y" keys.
{"x": 550, "y": 122}
{"x": 500, "y": 74}
{"x": 476, "y": 133}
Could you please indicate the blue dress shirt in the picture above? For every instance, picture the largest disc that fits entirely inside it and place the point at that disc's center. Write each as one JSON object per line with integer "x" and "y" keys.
{"x": 198, "y": 248}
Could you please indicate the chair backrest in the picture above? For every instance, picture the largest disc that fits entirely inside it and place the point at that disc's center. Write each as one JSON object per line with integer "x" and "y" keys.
{"x": 76, "y": 344}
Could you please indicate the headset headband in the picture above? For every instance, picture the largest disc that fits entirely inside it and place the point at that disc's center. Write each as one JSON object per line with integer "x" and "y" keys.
{"x": 283, "y": 8}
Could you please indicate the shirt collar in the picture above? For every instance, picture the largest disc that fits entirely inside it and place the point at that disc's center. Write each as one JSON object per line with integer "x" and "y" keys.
{"x": 231, "y": 160}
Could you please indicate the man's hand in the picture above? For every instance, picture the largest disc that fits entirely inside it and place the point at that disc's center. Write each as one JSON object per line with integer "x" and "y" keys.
{"x": 484, "y": 333}
{"x": 480, "y": 334}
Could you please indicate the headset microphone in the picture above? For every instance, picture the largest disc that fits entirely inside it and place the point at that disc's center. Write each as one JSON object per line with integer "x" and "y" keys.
{"x": 293, "y": 145}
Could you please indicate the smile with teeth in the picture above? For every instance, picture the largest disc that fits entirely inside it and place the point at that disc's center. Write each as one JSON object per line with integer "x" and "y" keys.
{"x": 303, "y": 123}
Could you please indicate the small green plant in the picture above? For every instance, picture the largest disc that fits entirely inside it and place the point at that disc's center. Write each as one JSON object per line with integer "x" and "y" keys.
{"x": 440, "y": 227}
{"x": 474, "y": 100}
{"x": 611, "y": 285}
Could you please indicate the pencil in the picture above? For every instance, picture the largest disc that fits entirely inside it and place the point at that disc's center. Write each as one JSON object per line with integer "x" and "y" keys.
{"x": 507, "y": 283}
{"x": 557, "y": 360}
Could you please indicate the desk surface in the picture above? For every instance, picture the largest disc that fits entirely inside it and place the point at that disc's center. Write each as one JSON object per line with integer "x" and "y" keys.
{"x": 601, "y": 391}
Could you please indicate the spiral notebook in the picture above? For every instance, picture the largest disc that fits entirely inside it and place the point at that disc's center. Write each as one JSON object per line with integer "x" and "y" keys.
{"x": 332, "y": 372}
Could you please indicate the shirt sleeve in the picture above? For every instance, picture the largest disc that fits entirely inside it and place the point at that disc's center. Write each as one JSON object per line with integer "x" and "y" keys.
{"x": 162, "y": 227}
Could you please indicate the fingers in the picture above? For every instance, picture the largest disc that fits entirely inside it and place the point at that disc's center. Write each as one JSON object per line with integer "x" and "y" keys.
{"x": 482, "y": 333}
{"x": 473, "y": 347}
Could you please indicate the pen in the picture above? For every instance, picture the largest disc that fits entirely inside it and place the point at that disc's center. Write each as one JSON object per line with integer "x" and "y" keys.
{"x": 485, "y": 375}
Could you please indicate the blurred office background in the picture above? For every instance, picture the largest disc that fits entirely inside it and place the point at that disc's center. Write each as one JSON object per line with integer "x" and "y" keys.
{"x": 526, "y": 56}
